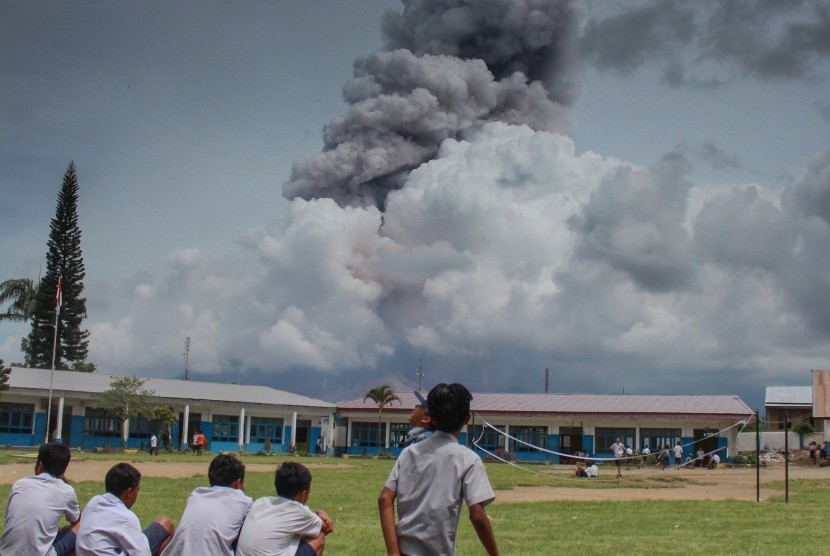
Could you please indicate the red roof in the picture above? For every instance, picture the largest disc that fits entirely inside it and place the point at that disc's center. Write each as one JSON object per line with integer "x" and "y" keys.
{"x": 582, "y": 404}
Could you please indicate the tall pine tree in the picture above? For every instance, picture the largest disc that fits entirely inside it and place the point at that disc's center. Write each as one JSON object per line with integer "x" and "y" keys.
{"x": 64, "y": 262}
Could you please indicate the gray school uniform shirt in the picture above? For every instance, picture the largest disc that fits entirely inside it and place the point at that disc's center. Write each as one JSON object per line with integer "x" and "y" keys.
{"x": 431, "y": 479}
{"x": 33, "y": 511}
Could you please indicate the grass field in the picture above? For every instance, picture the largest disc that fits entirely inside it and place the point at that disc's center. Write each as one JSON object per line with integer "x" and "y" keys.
{"x": 348, "y": 490}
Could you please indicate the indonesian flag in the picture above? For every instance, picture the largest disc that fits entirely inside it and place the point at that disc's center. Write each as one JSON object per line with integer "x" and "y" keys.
{"x": 59, "y": 293}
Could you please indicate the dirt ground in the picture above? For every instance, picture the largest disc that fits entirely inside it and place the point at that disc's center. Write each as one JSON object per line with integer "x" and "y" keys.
{"x": 699, "y": 484}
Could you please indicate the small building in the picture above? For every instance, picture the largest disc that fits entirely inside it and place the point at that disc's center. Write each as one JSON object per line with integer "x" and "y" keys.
{"x": 787, "y": 402}
{"x": 550, "y": 427}
{"x": 232, "y": 417}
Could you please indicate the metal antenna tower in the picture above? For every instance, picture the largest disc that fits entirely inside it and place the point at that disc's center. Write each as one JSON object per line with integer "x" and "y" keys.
{"x": 547, "y": 376}
{"x": 187, "y": 358}
{"x": 420, "y": 373}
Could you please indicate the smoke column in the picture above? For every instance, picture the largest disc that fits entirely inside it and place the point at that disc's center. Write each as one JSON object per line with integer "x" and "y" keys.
{"x": 449, "y": 66}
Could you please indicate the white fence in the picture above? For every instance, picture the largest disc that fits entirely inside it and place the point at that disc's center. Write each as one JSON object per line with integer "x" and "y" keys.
{"x": 775, "y": 441}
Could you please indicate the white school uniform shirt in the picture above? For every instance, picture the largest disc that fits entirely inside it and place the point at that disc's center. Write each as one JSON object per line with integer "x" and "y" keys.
{"x": 110, "y": 528}
{"x": 33, "y": 511}
{"x": 211, "y": 522}
{"x": 431, "y": 480}
{"x": 274, "y": 527}
{"x": 592, "y": 470}
{"x": 678, "y": 451}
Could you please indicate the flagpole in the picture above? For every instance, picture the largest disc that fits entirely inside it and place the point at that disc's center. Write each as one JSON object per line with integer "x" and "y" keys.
{"x": 59, "y": 302}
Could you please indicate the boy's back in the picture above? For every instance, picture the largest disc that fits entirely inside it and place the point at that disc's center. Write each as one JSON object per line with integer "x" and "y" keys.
{"x": 274, "y": 527}
{"x": 211, "y": 522}
{"x": 431, "y": 480}
{"x": 33, "y": 511}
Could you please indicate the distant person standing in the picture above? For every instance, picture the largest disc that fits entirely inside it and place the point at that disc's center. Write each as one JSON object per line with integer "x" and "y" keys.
{"x": 201, "y": 443}
{"x": 36, "y": 505}
{"x": 194, "y": 445}
{"x": 167, "y": 440}
{"x": 678, "y": 454}
{"x": 618, "y": 448}
{"x": 154, "y": 445}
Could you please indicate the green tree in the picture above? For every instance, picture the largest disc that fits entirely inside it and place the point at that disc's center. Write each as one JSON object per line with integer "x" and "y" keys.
{"x": 64, "y": 264}
{"x": 20, "y": 293}
{"x": 83, "y": 367}
{"x": 802, "y": 428}
{"x": 4, "y": 376}
{"x": 383, "y": 396}
{"x": 127, "y": 399}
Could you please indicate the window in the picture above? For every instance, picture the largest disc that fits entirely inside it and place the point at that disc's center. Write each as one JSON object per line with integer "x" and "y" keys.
{"x": 17, "y": 417}
{"x": 398, "y": 432}
{"x": 141, "y": 427}
{"x": 266, "y": 428}
{"x": 365, "y": 434}
{"x": 570, "y": 439}
{"x": 225, "y": 428}
{"x": 655, "y": 439}
{"x": 487, "y": 438}
{"x": 97, "y": 422}
{"x": 535, "y": 436}
{"x": 605, "y": 436}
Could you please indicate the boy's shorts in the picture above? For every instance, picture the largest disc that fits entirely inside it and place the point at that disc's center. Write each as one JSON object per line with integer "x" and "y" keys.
{"x": 304, "y": 549}
{"x": 156, "y": 534}
{"x": 64, "y": 542}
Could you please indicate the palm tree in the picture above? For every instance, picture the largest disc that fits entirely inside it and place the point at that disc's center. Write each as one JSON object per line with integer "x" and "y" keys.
{"x": 382, "y": 395}
{"x": 22, "y": 293}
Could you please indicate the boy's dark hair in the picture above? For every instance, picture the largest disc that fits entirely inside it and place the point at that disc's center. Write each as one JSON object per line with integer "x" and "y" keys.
{"x": 120, "y": 477}
{"x": 225, "y": 469}
{"x": 54, "y": 457}
{"x": 291, "y": 478}
{"x": 449, "y": 405}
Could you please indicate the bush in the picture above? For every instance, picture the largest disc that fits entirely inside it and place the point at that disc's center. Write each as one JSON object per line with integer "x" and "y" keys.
{"x": 744, "y": 459}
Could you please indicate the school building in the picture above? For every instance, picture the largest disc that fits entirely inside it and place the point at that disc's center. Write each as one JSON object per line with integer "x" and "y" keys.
{"x": 566, "y": 424}
{"x": 233, "y": 417}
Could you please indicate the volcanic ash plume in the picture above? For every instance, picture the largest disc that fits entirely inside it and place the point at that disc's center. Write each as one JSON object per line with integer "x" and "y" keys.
{"x": 449, "y": 67}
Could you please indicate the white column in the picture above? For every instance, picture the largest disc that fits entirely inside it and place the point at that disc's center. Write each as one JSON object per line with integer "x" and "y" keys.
{"x": 59, "y": 424}
{"x": 185, "y": 438}
{"x": 293, "y": 429}
{"x": 329, "y": 442}
{"x": 348, "y": 434}
{"x": 388, "y": 431}
{"x": 248, "y": 429}
{"x": 125, "y": 431}
{"x": 241, "y": 430}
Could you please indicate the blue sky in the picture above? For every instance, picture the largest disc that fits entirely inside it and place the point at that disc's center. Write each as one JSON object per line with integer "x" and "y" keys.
{"x": 656, "y": 223}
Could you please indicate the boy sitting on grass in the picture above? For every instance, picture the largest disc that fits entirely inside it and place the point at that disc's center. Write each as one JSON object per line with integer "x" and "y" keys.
{"x": 36, "y": 505}
{"x": 108, "y": 525}
{"x": 214, "y": 515}
{"x": 430, "y": 480}
{"x": 283, "y": 525}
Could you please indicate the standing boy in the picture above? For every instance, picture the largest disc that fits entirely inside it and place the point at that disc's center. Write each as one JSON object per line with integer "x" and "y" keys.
{"x": 108, "y": 525}
{"x": 619, "y": 452}
{"x": 36, "y": 505}
{"x": 214, "y": 515}
{"x": 283, "y": 525}
{"x": 678, "y": 454}
{"x": 431, "y": 479}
